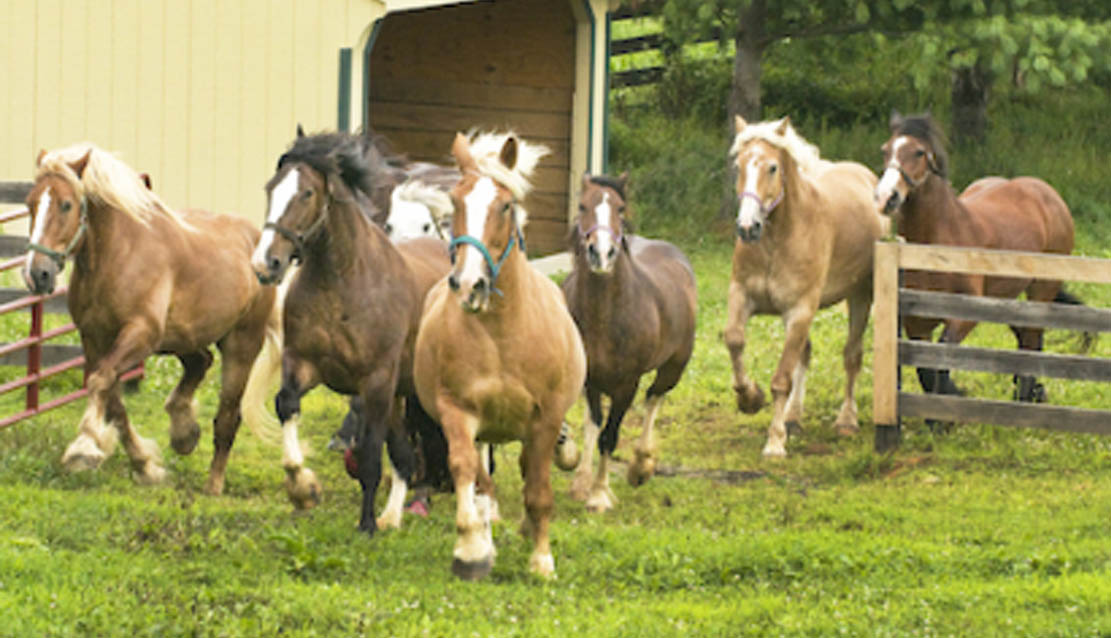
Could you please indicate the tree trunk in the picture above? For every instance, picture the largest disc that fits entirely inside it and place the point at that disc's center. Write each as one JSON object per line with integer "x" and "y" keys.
{"x": 744, "y": 95}
{"x": 971, "y": 88}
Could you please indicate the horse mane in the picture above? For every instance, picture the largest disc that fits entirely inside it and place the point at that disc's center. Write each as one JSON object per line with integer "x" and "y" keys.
{"x": 435, "y": 198}
{"x": 804, "y": 153}
{"x": 108, "y": 181}
{"x": 486, "y": 150}
{"x": 926, "y": 129}
{"x": 363, "y": 161}
{"x": 609, "y": 182}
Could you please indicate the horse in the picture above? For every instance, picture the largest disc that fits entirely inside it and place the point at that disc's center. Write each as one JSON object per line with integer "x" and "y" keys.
{"x": 1023, "y": 213}
{"x": 352, "y": 310}
{"x": 419, "y": 209}
{"x": 634, "y": 301}
{"x": 805, "y": 229}
{"x": 498, "y": 356}
{"x": 150, "y": 280}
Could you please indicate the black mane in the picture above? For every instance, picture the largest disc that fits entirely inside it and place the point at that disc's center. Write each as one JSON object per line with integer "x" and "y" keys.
{"x": 609, "y": 182}
{"x": 926, "y": 129}
{"x": 364, "y": 162}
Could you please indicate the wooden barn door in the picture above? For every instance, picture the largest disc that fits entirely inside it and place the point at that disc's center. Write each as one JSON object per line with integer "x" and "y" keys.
{"x": 502, "y": 64}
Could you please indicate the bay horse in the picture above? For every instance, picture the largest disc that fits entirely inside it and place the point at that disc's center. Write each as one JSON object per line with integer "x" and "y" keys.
{"x": 1023, "y": 213}
{"x": 805, "y": 229}
{"x": 351, "y": 311}
{"x": 498, "y": 356}
{"x": 634, "y": 301}
{"x": 150, "y": 280}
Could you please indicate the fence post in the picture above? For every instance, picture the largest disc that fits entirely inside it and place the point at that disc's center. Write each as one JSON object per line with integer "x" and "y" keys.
{"x": 885, "y": 356}
{"x": 34, "y": 355}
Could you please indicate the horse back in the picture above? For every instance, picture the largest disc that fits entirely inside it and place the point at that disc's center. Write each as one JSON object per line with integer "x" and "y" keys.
{"x": 1024, "y": 213}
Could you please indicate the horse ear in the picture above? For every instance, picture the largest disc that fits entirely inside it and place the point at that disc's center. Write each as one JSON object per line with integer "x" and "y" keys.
{"x": 623, "y": 179}
{"x": 146, "y": 180}
{"x": 739, "y": 124}
{"x": 508, "y": 155}
{"x": 38, "y": 160}
{"x": 461, "y": 151}
{"x": 896, "y": 121}
{"x": 587, "y": 177}
{"x": 783, "y": 124}
{"x": 79, "y": 166}
{"x": 300, "y": 131}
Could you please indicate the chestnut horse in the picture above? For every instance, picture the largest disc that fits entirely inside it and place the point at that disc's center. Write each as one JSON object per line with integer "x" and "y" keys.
{"x": 352, "y": 310}
{"x": 149, "y": 280}
{"x": 634, "y": 301}
{"x": 1023, "y": 213}
{"x": 805, "y": 232}
{"x": 498, "y": 357}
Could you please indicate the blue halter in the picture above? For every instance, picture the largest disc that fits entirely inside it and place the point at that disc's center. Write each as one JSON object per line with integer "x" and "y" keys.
{"x": 495, "y": 268}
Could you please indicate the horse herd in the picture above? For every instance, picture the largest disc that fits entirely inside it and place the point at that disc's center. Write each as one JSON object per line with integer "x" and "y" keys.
{"x": 450, "y": 341}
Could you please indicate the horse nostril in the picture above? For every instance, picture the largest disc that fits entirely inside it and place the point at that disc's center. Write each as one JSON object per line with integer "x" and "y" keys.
{"x": 612, "y": 252}
{"x": 591, "y": 250}
{"x": 453, "y": 282}
{"x": 274, "y": 264}
{"x": 480, "y": 285}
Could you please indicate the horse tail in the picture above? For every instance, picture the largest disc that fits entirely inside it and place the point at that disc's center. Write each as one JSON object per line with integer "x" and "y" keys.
{"x": 265, "y": 372}
{"x": 1088, "y": 338}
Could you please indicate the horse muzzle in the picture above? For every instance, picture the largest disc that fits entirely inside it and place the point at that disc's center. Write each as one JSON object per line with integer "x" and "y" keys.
{"x": 750, "y": 234}
{"x": 269, "y": 270}
{"x": 40, "y": 276}
{"x": 892, "y": 203}
{"x": 474, "y": 298}
{"x": 601, "y": 264}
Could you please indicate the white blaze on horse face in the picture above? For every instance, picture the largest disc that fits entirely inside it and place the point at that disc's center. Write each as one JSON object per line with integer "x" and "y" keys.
{"x": 37, "y": 230}
{"x": 891, "y": 178}
{"x": 409, "y": 219}
{"x": 472, "y": 266}
{"x": 750, "y": 210}
{"x": 280, "y": 197}
{"x": 603, "y": 233}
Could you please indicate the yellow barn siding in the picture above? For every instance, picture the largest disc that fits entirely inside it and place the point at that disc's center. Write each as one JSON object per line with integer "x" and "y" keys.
{"x": 202, "y": 102}
{"x": 94, "y": 62}
{"x": 254, "y": 158}
{"x": 148, "y": 77}
{"x": 225, "y": 140}
{"x": 123, "y": 95}
{"x": 173, "y": 177}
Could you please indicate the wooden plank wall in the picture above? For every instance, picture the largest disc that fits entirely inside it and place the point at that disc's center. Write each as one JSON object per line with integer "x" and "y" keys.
{"x": 506, "y": 64}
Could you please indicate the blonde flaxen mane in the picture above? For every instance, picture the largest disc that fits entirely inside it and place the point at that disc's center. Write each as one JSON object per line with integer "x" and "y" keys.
{"x": 486, "y": 148}
{"x": 804, "y": 153}
{"x": 106, "y": 180}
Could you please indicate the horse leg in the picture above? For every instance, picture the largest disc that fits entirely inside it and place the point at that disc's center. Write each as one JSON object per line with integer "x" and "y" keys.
{"x": 1029, "y": 390}
{"x": 402, "y": 464}
{"x": 94, "y": 440}
{"x": 184, "y": 431}
{"x": 795, "y": 400}
{"x": 601, "y": 497}
{"x": 646, "y": 452}
{"x": 798, "y": 327}
{"x": 298, "y": 377}
{"x": 955, "y": 332}
{"x": 853, "y": 356}
{"x": 536, "y": 461}
{"x": 580, "y": 485}
{"x": 143, "y": 452}
{"x": 238, "y": 351}
{"x": 473, "y": 556}
{"x": 750, "y": 398}
{"x": 485, "y": 482}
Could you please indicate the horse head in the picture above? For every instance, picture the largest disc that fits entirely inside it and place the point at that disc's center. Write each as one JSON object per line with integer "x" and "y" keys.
{"x": 912, "y": 153}
{"x": 761, "y": 184}
{"x": 418, "y": 210}
{"x": 297, "y": 197}
{"x": 59, "y": 217}
{"x": 599, "y": 229}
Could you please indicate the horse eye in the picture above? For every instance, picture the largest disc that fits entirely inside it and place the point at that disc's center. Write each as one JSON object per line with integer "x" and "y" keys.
{"x": 919, "y": 153}
{"x": 508, "y": 207}
{"x": 307, "y": 194}
{"x": 389, "y": 228}
{"x": 426, "y": 228}
{"x": 772, "y": 169}
{"x": 65, "y": 206}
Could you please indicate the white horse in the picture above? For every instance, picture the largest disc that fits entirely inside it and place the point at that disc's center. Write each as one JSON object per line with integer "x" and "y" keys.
{"x": 418, "y": 209}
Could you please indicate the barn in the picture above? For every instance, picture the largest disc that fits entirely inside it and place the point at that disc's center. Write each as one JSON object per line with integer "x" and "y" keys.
{"x": 205, "y": 95}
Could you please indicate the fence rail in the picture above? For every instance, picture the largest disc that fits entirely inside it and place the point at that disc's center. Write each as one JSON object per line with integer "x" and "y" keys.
{"x": 890, "y": 352}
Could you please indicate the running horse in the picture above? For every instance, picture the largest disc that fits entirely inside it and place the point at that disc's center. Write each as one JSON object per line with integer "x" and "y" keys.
{"x": 498, "y": 356}
{"x": 805, "y": 229}
{"x": 1023, "y": 213}
{"x": 351, "y": 311}
{"x": 149, "y": 280}
{"x": 634, "y": 301}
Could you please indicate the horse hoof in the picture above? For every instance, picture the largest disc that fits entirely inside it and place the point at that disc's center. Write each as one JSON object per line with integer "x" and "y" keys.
{"x": 601, "y": 500}
{"x": 214, "y": 486}
{"x": 794, "y": 428}
{"x": 389, "y": 522}
{"x": 580, "y": 486}
{"x": 774, "y": 452}
{"x": 750, "y": 400}
{"x": 150, "y": 474}
{"x": 472, "y": 570}
{"x": 567, "y": 455}
{"x": 303, "y": 488}
{"x": 185, "y": 443}
{"x": 641, "y": 469}
{"x": 543, "y": 565}
{"x": 847, "y": 429}
{"x": 82, "y": 455}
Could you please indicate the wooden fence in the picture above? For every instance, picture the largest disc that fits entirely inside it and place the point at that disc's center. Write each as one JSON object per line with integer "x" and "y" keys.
{"x": 890, "y": 352}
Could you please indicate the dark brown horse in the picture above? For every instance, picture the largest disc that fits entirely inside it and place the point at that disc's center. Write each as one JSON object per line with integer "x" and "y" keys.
{"x": 352, "y": 310}
{"x": 498, "y": 356}
{"x": 1023, "y": 213}
{"x": 150, "y": 280}
{"x": 634, "y": 301}
{"x": 805, "y": 229}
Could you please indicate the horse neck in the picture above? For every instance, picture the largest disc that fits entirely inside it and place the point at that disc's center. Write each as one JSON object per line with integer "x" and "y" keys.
{"x": 512, "y": 282}
{"x": 792, "y": 214}
{"x": 108, "y": 233}
{"x": 600, "y": 294}
{"x": 346, "y": 239}
{"x": 932, "y": 213}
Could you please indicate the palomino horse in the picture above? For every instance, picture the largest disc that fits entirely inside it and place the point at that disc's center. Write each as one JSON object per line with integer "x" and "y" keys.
{"x": 634, "y": 302}
{"x": 1023, "y": 213}
{"x": 498, "y": 356}
{"x": 805, "y": 232}
{"x": 150, "y": 280}
{"x": 351, "y": 312}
